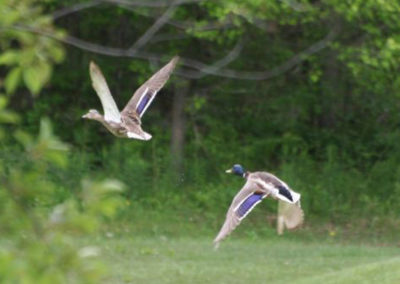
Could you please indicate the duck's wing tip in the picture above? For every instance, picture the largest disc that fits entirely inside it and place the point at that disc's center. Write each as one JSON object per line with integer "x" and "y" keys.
{"x": 175, "y": 59}
{"x": 144, "y": 136}
{"x": 99, "y": 83}
{"x": 292, "y": 215}
{"x": 93, "y": 66}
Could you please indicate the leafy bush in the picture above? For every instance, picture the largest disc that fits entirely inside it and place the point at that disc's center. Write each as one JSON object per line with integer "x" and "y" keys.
{"x": 38, "y": 229}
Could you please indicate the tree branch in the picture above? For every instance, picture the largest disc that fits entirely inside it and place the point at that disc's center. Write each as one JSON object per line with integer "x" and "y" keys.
{"x": 161, "y": 21}
{"x": 125, "y": 5}
{"x": 137, "y": 3}
{"x": 75, "y": 8}
{"x": 296, "y": 5}
{"x": 152, "y": 3}
{"x": 268, "y": 74}
{"x": 184, "y": 25}
{"x": 194, "y": 64}
{"x": 168, "y": 37}
{"x": 231, "y": 56}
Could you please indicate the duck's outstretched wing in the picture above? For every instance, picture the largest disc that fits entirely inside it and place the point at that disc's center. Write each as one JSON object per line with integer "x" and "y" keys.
{"x": 111, "y": 112}
{"x": 290, "y": 216}
{"x": 246, "y": 199}
{"x": 143, "y": 96}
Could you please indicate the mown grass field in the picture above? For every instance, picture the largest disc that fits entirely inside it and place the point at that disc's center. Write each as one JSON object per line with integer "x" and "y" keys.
{"x": 140, "y": 259}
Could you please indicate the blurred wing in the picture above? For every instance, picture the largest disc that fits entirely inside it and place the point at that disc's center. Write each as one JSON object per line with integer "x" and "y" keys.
{"x": 241, "y": 206}
{"x": 143, "y": 96}
{"x": 292, "y": 214}
{"x": 111, "y": 112}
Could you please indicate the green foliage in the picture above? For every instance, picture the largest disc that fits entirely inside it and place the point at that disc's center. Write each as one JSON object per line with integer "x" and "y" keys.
{"x": 40, "y": 218}
{"x": 328, "y": 126}
{"x": 30, "y": 56}
{"x": 37, "y": 228}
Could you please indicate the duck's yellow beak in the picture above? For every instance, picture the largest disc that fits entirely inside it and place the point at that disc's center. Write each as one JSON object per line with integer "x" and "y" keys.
{"x": 228, "y": 171}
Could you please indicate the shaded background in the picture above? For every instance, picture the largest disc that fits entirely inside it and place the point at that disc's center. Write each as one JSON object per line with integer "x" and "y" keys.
{"x": 308, "y": 90}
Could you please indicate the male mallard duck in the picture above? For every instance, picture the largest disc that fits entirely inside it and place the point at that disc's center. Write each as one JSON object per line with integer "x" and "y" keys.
{"x": 127, "y": 123}
{"x": 258, "y": 186}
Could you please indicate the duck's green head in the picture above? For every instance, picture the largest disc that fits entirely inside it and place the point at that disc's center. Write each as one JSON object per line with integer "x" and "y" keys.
{"x": 237, "y": 170}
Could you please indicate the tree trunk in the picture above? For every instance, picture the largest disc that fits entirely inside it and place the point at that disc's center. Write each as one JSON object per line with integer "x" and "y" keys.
{"x": 178, "y": 127}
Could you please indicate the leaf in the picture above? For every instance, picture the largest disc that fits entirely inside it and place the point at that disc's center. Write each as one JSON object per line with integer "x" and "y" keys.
{"x": 9, "y": 16}
{"x": 46, "y": 131}
{"x": 112, "y": 185}
{"x": 9, "y": 58}
{"x": 12, "y": 80}
{"x": 23, "y": 138}
{"x": 57, "y": 53}
{"x": 3, "y": 101}
{"x": 8, "y": 117}
{"x": 46, "y": 134}
{"x": 49, "y": 147}
{"x": 36, "y": 77}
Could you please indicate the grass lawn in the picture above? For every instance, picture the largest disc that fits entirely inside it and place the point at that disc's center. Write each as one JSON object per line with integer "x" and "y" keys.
{"x": 140, "y": 259}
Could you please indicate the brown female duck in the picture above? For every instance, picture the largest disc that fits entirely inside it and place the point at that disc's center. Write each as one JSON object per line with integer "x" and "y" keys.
{"x": 127, "y": 123}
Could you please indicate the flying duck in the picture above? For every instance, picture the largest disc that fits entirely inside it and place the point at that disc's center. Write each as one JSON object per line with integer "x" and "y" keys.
{"x": 127, "y": 123}
{"x": 258, "y": 186}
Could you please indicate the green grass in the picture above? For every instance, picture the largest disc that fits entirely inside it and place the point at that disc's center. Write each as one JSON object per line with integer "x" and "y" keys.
{"x": 139, "y": 259}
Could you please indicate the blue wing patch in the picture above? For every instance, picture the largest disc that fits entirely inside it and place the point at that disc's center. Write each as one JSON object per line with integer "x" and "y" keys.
{"x": 146, "y": 98}
{"x": 248, "y": 204}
